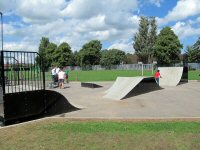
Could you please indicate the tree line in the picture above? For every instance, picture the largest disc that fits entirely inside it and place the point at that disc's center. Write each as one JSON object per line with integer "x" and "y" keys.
{"x": 90, "y": 54}
{"x": 165, "y": 48}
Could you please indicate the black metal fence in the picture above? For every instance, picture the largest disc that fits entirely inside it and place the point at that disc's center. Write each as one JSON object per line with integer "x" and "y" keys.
{"x": 22, "y": 89}
{"x": 21, "y": 71}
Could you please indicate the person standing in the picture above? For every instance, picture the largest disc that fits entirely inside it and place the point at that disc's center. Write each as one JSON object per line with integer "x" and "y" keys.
{"x": 67, "y": 75}
{"x": 54, "y": 73}
{"x": 61, "y": 78}
{"x": 157, "y": 76}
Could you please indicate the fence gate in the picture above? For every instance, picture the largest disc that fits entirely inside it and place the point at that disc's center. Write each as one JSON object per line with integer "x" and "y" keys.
{"x": 22, "y": 89}
{"x": 22, "y": 85}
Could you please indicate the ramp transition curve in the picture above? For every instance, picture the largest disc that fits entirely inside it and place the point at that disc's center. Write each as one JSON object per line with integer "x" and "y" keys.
{"x": 130, "y": 86}
{"x": 171, "y": 76}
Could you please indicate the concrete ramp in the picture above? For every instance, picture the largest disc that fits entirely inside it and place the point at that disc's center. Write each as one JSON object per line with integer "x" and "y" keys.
{"x": 171, "y": 76}
{"x": 118, "y": 82}
{"x": 124, "y": 85}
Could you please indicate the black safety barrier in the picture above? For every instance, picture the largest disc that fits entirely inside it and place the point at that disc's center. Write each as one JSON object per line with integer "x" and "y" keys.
{"x": 21, "y": 71}
{"x": 30, "y": 105}
{"x": 22, "y": 89}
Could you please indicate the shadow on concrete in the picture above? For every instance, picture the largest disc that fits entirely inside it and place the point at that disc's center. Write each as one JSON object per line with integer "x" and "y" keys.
{"x": 90, "y": 85}
{"x": 145, "y": 86}
{"x": 182, "y": 82}
{"x": 56, "y": 104}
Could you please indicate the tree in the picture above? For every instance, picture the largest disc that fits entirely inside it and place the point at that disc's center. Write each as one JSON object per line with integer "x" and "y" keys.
{"x": 75, "y": 59}
{"x": 112, "y": 57}
{"x": 152, "y": 37}
{"x": 144, "y": 39}
{"x": 49, "y": 54}
{"x": 193, "y": 52}
{"x": 63, "y": 54}
{"x": 140, "y": 40}
{"x": 90, "y": 53}
{"x": 44, "y": 42}
{"x": 167, "y": 47}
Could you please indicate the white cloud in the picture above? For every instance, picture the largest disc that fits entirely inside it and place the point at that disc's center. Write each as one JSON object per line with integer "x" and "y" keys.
{"x": 39, "y": 11}
{"x": 124, "y": 46}
{"x": 185, "y": 30}
{"x": 183, "y": 10}
{"x": 156, "y": 2}
{"x": 74, "y": 21}
{"x": 7, "y": 5}
{"x": 84, "y": 9}
{"x": 20, "y": 46}
{"x": 196, "y": 21}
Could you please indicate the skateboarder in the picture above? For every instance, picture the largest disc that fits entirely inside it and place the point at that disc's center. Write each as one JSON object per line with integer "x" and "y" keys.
{"x": 157, "y": 76}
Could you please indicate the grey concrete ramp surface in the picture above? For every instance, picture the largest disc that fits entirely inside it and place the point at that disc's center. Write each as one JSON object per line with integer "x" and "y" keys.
{"x": 124, "y": 85}
{"x": 171, "y": 76}
{"x": 172, "y": 102}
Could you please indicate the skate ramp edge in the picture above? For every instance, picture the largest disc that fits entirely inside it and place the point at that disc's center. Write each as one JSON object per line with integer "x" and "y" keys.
{"x": 57, "y": 104}
{"x": 171, "y": 76}
{"x": 31, "y": 105}
{"x": 130, "y": 86}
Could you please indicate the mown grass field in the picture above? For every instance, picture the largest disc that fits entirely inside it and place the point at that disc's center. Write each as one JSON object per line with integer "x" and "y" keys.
{"x": 112, "y": 135}
{"x": 111, "y": 75}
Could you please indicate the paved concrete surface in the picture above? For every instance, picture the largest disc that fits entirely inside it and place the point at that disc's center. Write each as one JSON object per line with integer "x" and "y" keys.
{"x": 182, "y": 101}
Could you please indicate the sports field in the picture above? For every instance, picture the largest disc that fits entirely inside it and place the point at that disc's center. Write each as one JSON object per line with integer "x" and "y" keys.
{"x": 111, "y": 75}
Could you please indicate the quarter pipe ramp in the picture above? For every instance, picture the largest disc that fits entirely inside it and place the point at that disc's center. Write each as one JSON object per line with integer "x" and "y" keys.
{"x": 126, "y": 86}
{"x": 171, "y": 76}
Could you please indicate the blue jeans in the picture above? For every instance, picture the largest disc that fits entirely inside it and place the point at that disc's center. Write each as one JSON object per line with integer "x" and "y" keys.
{"x": 157, "y": 80}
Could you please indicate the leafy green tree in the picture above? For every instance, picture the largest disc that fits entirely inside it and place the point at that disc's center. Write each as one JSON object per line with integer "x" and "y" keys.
{"x": 167, "y": 47}
{"x": 145, "y": 38}
{"x": 112, "y": 57}
{"x": 141, "y": 40}
{"x": 193, "y": 52}
{"x": 49, "y": 54}
{"x": 44, "y": 42}
{"x": 75, "y": 59}
{"x": 90, "y": 53}
{"x": 128, "y": 60}
{"x": 63, "y": 54}
{"x": 152, "y": 37}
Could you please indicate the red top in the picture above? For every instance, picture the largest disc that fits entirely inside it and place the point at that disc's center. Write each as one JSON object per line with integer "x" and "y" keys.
{"x": 157, "y": 75}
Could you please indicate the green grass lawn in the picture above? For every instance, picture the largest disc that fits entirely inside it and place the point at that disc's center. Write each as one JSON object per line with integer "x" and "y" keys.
{"x": 194, "y": 75}
{"x": 112, "y": 135}
{"x": 111, "y": 75}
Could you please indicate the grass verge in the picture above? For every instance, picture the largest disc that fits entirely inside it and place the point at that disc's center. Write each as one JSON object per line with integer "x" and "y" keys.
{"x": 62, "y": 134}
{"x": 111, "y": 75}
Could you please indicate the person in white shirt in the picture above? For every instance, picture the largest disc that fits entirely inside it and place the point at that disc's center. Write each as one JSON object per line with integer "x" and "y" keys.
{"x": 61, "y": 78}
{"x": 54, "y": 73}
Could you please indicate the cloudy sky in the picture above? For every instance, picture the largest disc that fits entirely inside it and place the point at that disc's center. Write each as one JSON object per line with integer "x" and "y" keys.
{"x": 76, "y": 22}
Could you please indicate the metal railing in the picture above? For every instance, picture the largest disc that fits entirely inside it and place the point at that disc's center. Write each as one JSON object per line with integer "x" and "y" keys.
{"x": 21, "y": 71}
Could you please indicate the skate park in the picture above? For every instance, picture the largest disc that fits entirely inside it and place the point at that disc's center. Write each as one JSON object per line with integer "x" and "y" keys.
{"x": 180, "y": 101}
{"x": 126, "y": 98}
{"x": 26, "y": 95}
